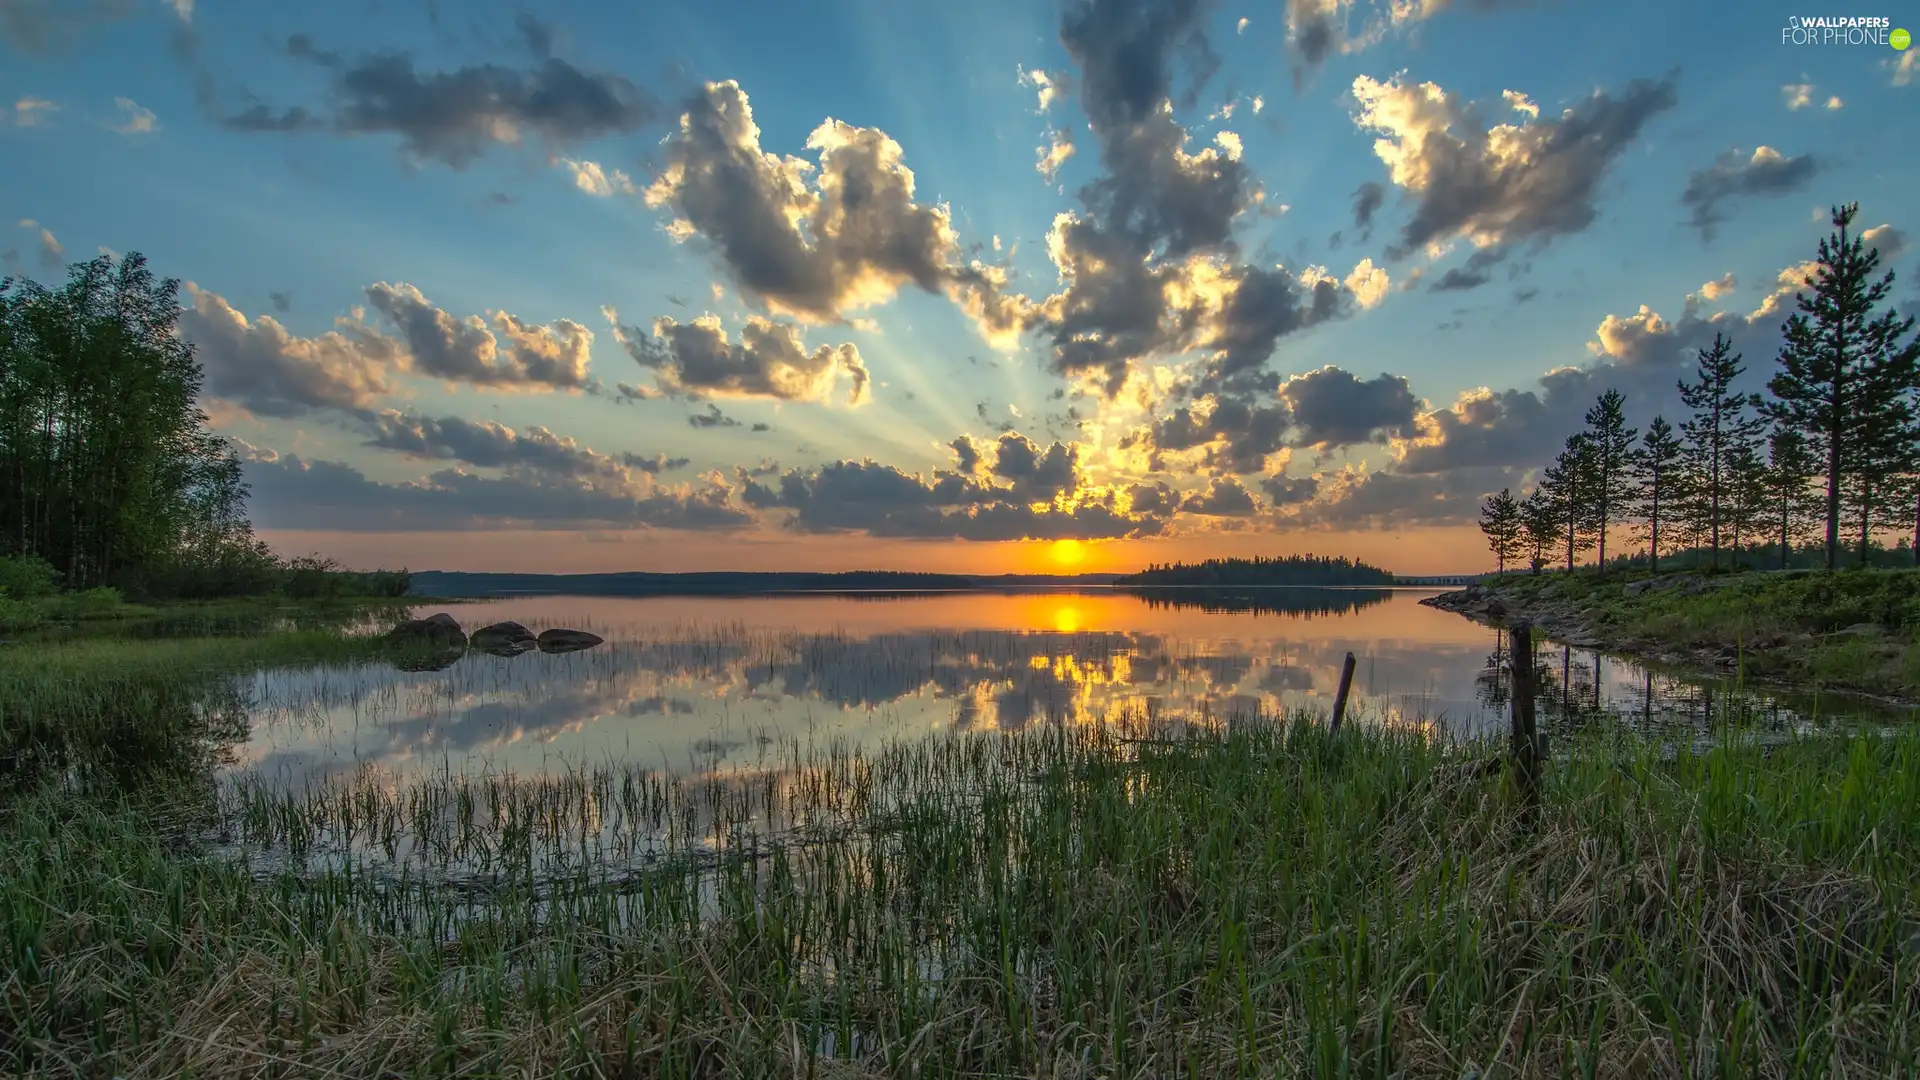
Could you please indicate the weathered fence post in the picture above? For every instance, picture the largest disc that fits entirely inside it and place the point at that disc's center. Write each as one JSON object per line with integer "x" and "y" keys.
{"x": 1340, "y": 699}
{"x": 1526, "y": 733}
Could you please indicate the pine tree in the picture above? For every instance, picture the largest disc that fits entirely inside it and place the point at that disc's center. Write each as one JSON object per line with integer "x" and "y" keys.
{"x": 1539, "y": 525}
{"x": 1886, "y": 451}
{"x": 1746, "y": 495}
{"x": 1610, "y": 441}
{"x": 1790, "y": 468}
{"x": 1656, "y": 475}
{"x": 1720, "y": 428}
{"x": 1569, "y": 483}
{"x": 1839, "y": 365}
{"x": 1500, "y": 521}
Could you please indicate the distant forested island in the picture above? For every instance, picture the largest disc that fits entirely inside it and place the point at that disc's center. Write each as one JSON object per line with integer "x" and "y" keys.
{"x": 1261, "y": 570}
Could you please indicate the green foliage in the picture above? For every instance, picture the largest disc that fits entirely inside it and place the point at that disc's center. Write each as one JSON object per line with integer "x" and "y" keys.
{"x": 1500, "y": 522}
{"x": 27, "y": 577}
{"x": 1263, "y": 570}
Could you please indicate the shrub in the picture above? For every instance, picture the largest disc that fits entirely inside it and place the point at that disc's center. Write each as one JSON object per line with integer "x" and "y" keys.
{"x": 27, "y": 577}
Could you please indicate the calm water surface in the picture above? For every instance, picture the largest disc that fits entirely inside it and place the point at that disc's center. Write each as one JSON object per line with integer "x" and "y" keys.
{"x": 703, "y": 684}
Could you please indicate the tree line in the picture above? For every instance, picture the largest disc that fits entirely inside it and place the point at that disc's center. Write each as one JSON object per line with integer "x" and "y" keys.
{"x": 1262, "y": 570}
{"x": 109, "y": 473}
{"x": 1828, "y": 456}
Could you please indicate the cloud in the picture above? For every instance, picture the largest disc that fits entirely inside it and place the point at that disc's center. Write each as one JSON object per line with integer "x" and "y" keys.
{"x": 291, "y": 493}
{"x": 29, "y": 111}
{"x": 1037, "y": 475}
{"x": 511, "y": 354}
{"x": 1797, "y": 95}
{"x": 712, "y": 418}
{"x": 696, "y": 359}
{"x": 1834, "y": 103}
{"x": 1368, "y": 198}
{"x": 1042, "y": 84}
{"x": 1332, "y": 408}
{"x": 489, "y": 444}
{"x": 589, "y": 177}
{"x": 1731, "y": 178}
{"x": 52, "y": 253}
{"x": 816, "y": 240}
{"x": 1224, "y": 497}
{"x": 181, "y": 8}
{"x": 1907, "y": 68}
{"x": 282, "y": 301}
{"x": 1531, "y": 180}
{"x": 138, "y": 120}
{"x": 1889, "y": 241}
{"x": 881, "y": 500}
{"x": 1053, "y": 153}
{"x": 260, "y": 366}
{"x": 1368, "y": 283}
{"x": 1237, "y": 435}
{"x": 452, "y": 117}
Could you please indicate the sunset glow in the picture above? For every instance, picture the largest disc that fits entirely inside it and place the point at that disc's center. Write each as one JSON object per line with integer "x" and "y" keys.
{"x": 996, "y": 288}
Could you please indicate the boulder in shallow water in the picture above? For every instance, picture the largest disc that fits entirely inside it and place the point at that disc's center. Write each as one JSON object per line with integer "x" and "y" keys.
{"x": 559, "y": 640}
{"x": 428, "y": 658}
{"x": 439, "y": 631}
{"x": 503, "y": 639}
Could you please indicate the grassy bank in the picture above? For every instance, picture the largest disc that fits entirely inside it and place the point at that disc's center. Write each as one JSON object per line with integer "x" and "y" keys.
{"x": 1854, "y": 630}
{"x": 1060, "y": 901}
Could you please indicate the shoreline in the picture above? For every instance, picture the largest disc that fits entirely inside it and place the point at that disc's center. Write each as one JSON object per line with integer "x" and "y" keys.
{"x": 1624, "y": 618}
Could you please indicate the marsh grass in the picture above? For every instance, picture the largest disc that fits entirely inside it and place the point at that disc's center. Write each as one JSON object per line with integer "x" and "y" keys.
{"x": 1133, "y": 900}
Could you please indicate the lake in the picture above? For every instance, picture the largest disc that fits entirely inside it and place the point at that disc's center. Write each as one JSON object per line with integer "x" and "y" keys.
{"x": 705, "y": 685}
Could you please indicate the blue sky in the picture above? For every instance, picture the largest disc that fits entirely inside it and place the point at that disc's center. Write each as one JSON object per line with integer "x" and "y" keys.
{"x": 462, "y": 193}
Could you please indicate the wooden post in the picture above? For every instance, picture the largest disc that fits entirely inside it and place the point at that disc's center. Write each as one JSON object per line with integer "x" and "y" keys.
{"x": 1526, "y": 733}
{"x": 1340, "y": 699}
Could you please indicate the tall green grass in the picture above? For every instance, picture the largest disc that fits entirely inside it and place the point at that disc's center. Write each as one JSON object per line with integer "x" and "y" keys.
{"x": 1265, "y": 899}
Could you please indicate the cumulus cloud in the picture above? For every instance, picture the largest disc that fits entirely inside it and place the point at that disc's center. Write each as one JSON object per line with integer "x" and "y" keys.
{"x": 259, "y": 365}
{"x": 1733, "y": 176}
{"x": 1037, "y": 475}
{"x": 1223, "y": 497}
{"x": 1797, "y": 95}
{"x": 589, "y": 177}
{"x": 1368, "y": 283}
{"x": 1042, "y": 84}
{"x": 490, "y": 444}
{"x": 135, "y": 119}
{"x": 1053, "y": 153}
{"x": 1332, "y": 408}
{"x": 815, "y": 240}
{"x": 770, "y": 360}
{"x": 1237, "y": 435}
{"x": 508, "y": 354}
{"x": 1530, "y": 180}
{"x": 451, "y": 117}
{"x": 712, "y": 418}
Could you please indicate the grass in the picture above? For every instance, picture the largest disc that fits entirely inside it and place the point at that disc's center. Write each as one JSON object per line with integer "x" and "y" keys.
{"x": 1267, "y": 899}
{"x": 1855, "y": 630}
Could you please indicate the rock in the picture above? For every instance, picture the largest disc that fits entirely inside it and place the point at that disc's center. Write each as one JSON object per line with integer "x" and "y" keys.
{"x": 1494, "y": 609}
{"x": 560, "y": 640}
{"x": 439, "y": 631}
{"x": 504, "y": 639}
{"x": 436, "y": 658}
{"x": 1862, "y": 629}
{"x": 1635, "y": 588}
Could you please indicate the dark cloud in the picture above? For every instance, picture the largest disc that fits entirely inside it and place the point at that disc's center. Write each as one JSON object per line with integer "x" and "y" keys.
{"x": 1383, "y": 499}
{"x": 1224, "y": 497}
{"x": 712, "y": 418}
{"x": 1477, "y": 271}
{"x": 1037, "y": 475}
{"x": 769, "y": 361}
{"x": 864, "y": 496}
{"x": 1238, "y": 435}
{"x": 1537, "y": 180}
{"x": 1733, "y": 176}
{"x": 654, "y": 465}
{"x": 488, "y": 444}
{"x": 1284, "y": 490}
{"x": 282, "y": 301}
{"x": 966, "y": 452}
{"x": 291, "y": 493}
{"x": 452, "y": 117}
{"x": 1368, "y": 198}
{"x": 510, "y": 354}
{"x": 259, "y": 365}
{"x": 1332, "y": 408}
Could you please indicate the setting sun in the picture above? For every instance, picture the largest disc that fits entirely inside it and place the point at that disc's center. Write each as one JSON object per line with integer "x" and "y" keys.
{"x": 1067, "y": 552}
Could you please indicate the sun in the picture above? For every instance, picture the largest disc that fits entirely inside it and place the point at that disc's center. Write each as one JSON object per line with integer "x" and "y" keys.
{"x": 1067, "y": 552}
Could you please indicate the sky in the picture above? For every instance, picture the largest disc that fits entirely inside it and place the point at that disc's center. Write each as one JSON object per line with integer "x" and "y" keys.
{"x": 995, "y": 287}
